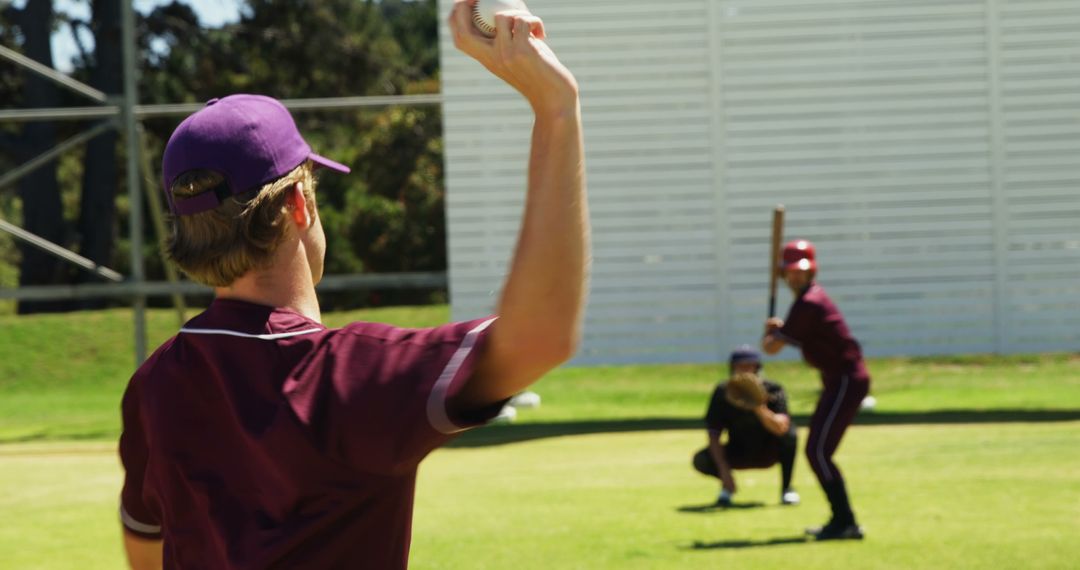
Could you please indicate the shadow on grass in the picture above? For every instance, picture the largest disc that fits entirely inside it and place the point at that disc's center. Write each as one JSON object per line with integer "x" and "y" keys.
{"x": 724, "y": 544}
{"x": 43, "y": 436}
{"x": 503, "y": 434}
{"x": 715, "y": 508}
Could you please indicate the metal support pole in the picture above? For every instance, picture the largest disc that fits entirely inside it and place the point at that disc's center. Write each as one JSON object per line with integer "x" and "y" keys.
{"x": 182, "y": 109}
{"x": 164, "y": 288}
{"x": 153, "y": 200}
{"x": 52, "y": 75}
{"x": 131, "y": 134}
{"x": 58, "y": 114}
{"x": 59, "y": 251}
{"x": 42, "y": 159}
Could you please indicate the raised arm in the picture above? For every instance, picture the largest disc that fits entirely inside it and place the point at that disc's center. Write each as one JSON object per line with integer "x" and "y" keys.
{"x": 542, "y": 302}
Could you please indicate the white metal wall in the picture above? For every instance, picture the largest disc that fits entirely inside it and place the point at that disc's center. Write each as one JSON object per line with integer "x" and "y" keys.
{"x": 1039, "y": 156}
{"x": 930, "y": 148}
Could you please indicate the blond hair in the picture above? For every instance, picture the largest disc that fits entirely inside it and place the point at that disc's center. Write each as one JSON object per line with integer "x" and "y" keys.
{"x": 218, "y": 246}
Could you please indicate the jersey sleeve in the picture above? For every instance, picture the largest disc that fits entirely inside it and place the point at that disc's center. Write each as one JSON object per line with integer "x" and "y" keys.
{"x": 135, "y": 515}
{"x": 715, "y": 418}
{"x": 376, "y": 396}
{"x": 801, "y": 322}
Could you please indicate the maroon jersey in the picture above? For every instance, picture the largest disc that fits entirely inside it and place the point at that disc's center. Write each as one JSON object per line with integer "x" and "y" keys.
{"x": 258, "y": 438}
{"x": 815, "y": 325}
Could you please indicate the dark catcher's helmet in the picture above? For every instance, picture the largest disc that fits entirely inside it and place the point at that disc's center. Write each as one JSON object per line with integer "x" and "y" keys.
{"x": 744, "y": 353}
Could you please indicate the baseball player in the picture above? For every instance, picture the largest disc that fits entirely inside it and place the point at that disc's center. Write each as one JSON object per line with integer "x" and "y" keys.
{"x": 815, "y": 325}
{"x": 760, "y": 431}
{"x": 257, "y": 437}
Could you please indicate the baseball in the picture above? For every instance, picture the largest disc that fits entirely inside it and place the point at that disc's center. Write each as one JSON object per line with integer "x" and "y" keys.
{"x": 869, "y": 403}
{"x": 526, "y": 400}
{"x": 507, "y": 415}
{"x": 484, "y": 13}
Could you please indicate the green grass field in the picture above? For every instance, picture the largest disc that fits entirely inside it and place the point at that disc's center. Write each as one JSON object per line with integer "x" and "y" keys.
{"x": 967, "y": 463}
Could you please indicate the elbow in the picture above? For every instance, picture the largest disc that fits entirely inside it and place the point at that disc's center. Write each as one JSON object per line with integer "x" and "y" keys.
{"x": 542, "y": 352}
{"x": 559, "y": 350}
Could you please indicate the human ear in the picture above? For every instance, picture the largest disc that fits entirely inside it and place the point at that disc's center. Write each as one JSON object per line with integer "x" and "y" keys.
{"x": 298, "y": 206}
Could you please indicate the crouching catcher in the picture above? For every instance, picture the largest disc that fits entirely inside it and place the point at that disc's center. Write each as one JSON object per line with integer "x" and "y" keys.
{"x": 754, "y": 412}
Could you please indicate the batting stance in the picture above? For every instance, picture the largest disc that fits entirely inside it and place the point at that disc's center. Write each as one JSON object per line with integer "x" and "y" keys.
{"x": 815, "y": 325}
{"x": 259, "y": 438}
{"x": 761, "y": 434}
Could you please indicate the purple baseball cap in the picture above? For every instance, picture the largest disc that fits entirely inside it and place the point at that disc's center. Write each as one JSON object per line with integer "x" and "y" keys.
{"x": 249, "y": 139}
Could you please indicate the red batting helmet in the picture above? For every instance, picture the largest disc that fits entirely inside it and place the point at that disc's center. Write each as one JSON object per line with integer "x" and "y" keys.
{"x": 799, "y": 254}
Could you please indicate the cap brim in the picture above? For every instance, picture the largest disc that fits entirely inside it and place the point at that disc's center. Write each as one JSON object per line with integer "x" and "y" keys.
{"x": 327, "y": 163}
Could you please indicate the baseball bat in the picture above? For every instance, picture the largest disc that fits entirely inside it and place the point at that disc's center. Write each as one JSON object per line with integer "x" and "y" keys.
{"x": 774, "y": 255}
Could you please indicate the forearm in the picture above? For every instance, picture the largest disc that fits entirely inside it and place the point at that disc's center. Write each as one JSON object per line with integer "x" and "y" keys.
{"x": 545, "y": 290}
{"x": 142, "y": 553}
{"x": 723, "y": 470}
{"x": 542, "y": 302}
{"x": 774, "y": 423}
{"x": 772, "y": 344}
{"x": 540, "y": 309}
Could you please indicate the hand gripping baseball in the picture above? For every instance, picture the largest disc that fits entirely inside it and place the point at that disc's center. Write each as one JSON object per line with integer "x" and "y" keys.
{"x": 518, "y": 55}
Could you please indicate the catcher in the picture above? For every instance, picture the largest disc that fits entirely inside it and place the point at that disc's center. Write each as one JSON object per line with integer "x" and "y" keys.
{"x": 760, "y": 431}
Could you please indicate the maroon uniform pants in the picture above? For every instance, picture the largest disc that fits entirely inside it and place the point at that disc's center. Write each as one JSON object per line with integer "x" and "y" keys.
{"x": 836, "y": 409}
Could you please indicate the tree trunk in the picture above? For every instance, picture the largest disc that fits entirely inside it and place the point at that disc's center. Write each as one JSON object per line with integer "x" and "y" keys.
{"x": 40, "y": 191}
{"x": 96, "y": 224}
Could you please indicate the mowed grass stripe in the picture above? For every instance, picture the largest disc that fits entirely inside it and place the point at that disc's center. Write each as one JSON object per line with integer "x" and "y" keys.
{"x": 973, "y": 496}
{"x": 958, "y": 496}
{"x": 62, "y": 376}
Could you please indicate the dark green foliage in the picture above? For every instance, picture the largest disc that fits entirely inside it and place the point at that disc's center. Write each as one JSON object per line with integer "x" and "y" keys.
{"x": 387, "y": 216}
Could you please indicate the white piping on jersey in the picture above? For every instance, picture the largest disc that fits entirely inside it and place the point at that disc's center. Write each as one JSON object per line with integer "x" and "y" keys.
{"x": 828, "y": 423}
{"x": 135, "y": 525}
{"x": 436, "y": 404}
{"x": 226, "y": 332}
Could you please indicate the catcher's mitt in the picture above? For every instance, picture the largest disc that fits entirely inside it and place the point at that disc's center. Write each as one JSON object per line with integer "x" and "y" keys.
{"x": 746, "y": 390}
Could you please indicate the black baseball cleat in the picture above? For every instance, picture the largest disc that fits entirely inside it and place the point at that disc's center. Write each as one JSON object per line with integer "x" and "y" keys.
{"x": 837, "y": 532}
{"x": 814, "y": 530}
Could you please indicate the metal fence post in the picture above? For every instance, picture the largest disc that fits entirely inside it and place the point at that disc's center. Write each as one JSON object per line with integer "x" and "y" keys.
{"x": 134, "y": 186}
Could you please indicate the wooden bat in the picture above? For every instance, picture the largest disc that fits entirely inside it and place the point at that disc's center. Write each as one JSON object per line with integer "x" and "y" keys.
{"x": 774, "y": 255}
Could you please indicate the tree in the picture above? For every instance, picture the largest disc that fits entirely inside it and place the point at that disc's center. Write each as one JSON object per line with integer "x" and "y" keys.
{"x": 39, "y": 191}
{"x": 415, "y": 25}
{"x": 97, "y": 222}
{"x": 388, "y": 215}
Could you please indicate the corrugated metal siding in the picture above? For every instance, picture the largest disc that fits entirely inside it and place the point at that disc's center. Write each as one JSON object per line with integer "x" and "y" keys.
{"x": 1039, "y": 53}
{"x": 644, "y": 74}
{"x": 930, "y": 148}
{"x": 868, "y": 120}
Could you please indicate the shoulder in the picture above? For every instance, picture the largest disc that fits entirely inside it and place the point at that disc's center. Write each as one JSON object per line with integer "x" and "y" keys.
{"x": 718, "y": 395}
{"x": 152, "y": 367}
{"x": 156, "y": 360}
{"x": 813, "y": 302}
{"x": 381, "y": 333}
{"x": 772, "y": 386}
{"x": 818, "y": 296}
